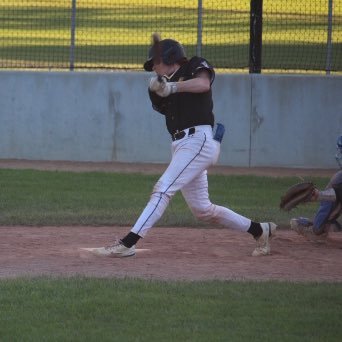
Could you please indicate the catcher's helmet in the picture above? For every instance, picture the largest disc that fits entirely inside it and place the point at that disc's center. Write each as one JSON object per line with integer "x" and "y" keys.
{"x": 169, "y": 50}
{"x": 338, "y": 155}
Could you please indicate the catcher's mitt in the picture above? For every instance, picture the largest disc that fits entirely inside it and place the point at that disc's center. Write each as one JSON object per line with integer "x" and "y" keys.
{"x": 297, "y": 194}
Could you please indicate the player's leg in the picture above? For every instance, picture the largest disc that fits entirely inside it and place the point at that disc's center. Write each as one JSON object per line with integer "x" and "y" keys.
{"x": 326, "y": 215}
{"x": 197, "y": 197}
{"x": 189, "y": 158}
{"x": 321, "y": 218}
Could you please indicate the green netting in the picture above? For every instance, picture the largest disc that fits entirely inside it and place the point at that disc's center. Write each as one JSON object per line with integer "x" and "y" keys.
{"x": 98, "y": 34}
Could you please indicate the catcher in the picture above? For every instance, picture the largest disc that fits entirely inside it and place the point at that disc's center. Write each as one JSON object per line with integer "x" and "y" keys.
{"x": 330, "y": 200}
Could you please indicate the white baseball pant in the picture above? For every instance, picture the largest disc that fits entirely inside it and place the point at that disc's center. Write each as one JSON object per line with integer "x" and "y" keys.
{"x": 187, "y": 171}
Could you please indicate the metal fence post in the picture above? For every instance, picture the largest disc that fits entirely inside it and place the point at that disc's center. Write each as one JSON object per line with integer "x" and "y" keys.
{"x": 255, "y": 43}
{"x": 199, "y": 28}
{"x": 72, "y": 34}
{"x": 329, "y": 37}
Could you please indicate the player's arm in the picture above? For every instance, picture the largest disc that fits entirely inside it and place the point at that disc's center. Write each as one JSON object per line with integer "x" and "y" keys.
{"x": 200, "y": 84}
{"x": 158, "y": 103}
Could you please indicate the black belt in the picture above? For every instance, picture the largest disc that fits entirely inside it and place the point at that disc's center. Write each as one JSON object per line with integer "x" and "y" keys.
{"x": 181, "y": 134}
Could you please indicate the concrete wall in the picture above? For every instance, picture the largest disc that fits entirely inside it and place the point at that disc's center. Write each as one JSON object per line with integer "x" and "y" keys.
{"x": 271, "y": 120}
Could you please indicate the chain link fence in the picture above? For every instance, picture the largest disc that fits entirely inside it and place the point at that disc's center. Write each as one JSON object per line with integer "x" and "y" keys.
{"x": 294, "y": 35}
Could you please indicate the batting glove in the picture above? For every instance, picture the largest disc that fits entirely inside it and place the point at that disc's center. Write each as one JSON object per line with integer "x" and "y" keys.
{"x": 161, "y": 87}
{"x": 168, "y": 89}
{"x": 156, "y": 83}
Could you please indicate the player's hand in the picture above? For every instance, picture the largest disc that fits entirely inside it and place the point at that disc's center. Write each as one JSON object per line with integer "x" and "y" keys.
{"x": 161, "y": 87}
{"x": 167, "y": 89}
{"x": 156, "y": 83}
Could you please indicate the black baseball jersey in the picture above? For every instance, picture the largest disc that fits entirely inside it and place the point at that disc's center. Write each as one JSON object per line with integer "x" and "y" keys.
{"x": 184, "y": 110}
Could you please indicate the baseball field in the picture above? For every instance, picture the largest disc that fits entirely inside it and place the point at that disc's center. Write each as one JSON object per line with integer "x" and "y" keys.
{"x": 188, "y": 281}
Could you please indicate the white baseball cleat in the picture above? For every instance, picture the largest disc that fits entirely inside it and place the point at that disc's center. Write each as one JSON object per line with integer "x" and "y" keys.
{"x": 263, "y": 244}
{"x": 118, "y": 250}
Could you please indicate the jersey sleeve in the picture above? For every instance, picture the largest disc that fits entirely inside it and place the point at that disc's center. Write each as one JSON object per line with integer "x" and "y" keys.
{"x": 198, "y": 63}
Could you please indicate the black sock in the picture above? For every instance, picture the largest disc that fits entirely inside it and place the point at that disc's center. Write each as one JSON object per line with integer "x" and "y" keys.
{"x": 255, "y": 229}
{"x": 130, "y": 239}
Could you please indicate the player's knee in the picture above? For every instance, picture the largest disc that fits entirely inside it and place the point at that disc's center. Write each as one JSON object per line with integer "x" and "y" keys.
{"x": 161, "y": 188}
{"x": 157, "y": 197}
{"x": 206, "y": 214}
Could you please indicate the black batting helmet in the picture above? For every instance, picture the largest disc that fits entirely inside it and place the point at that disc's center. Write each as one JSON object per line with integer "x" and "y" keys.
{"x": 168, "y": 50}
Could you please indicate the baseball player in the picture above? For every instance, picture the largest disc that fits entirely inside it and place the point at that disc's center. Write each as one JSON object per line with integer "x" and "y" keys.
{"x": 181, "y": 91}
{"x": 330, "y": 208}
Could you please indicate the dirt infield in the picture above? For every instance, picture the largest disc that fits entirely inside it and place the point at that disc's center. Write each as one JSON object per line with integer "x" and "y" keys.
{"x": 167, "y": 253}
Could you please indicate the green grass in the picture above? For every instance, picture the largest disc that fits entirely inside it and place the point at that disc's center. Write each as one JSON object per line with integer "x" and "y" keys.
{"x": 90, "y": 309}
{"x": 81, "y": 309}
{"x": 113, "y": 34}
{"x": 31, "y": 197}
